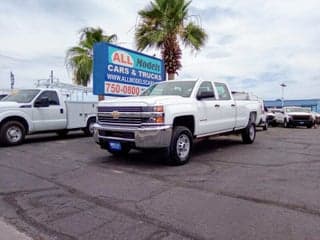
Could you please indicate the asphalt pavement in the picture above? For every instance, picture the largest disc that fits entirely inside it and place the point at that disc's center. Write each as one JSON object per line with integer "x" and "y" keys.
{"x": 69, "y": 188}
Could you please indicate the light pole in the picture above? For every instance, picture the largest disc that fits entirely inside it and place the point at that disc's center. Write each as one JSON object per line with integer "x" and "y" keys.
{"x": 282, "y": 93}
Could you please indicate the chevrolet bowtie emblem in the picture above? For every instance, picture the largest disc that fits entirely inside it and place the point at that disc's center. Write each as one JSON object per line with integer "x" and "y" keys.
{"x": 115, "y": 114}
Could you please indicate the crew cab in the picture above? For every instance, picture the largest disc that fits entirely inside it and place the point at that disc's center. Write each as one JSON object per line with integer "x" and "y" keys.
{"x": 170, "y": 115}
{"x": 30, "y": 111}
{"x": 294, "y": 116}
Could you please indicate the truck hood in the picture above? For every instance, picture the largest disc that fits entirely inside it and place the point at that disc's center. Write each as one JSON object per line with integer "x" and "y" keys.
{"x": 10, "y": 105}
{"x": 145, "y": 101}
{"x": 299, "y": 114}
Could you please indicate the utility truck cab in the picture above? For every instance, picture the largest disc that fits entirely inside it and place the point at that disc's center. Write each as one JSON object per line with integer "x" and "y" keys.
{"x": 39, "y": 110}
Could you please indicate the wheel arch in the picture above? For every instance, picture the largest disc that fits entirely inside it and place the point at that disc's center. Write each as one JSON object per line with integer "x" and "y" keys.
{"x": 186, "y": 121}
{"x": 22, "y": 120}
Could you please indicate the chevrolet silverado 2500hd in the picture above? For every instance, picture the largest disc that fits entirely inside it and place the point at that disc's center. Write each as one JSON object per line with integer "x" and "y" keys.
{"x": 295, "y": 116}
{"x": 170, "y": 115}
{"x": 32, "y": 111}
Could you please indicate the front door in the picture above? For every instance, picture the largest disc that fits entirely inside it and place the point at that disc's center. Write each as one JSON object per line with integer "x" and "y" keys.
{"x": 52, "y": 117}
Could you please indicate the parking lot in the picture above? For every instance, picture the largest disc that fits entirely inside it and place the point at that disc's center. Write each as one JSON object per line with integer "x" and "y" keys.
{"x": 68, "y": 188}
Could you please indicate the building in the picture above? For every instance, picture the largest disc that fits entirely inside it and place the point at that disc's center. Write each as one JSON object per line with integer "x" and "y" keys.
{"x": 313, "y": 104}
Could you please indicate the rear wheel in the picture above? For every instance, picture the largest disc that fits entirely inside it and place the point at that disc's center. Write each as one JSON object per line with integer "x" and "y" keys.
{"x": 12, "y": 133}
{"x": 249, "y": 133}
{"x": 88, "y": 130}
{"x": 179, "y": 151}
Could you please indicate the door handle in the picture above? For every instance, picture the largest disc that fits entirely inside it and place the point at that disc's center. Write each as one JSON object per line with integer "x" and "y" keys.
{"x": 217, "y": 105}
{"x": 233, "y": 105}
{"x": 61, "y": 110}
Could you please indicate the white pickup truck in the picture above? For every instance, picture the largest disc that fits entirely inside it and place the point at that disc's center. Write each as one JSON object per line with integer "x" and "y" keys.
{"x": 32, "y": 111}
{"x": 170, "y": 115}
{"x": 294, "y": 116}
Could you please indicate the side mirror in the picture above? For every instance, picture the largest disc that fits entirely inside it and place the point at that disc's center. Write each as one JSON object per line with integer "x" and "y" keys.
{"x": 42, "y": 102}
{"x": 205, "y": 94}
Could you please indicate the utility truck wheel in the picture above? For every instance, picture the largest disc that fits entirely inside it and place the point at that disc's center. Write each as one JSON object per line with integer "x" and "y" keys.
{"x": 249, "y": 133}
{"x": 179, "y": 151}
{"x": 12, "y": 133}
{"x": 88, "y": 130}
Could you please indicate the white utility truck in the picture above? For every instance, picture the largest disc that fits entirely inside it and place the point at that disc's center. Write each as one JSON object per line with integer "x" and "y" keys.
{"x": 170, "y": 115}
{"x": 39, "y": 110}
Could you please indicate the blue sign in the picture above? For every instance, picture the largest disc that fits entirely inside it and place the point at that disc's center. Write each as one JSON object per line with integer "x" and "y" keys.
{"x": 119, "y": 71}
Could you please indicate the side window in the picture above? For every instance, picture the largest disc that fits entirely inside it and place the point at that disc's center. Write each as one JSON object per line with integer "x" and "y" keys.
{"x": 223, "y": 91}
{"x": 206, "y": 87}
{"x": 51, "y": 95}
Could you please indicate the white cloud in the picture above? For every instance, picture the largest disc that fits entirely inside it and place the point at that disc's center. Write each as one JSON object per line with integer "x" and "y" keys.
{"x": 255, "y": 45}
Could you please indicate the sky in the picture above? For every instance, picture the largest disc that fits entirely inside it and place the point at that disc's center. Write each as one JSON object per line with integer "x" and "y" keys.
{"x": 253, "y": 45}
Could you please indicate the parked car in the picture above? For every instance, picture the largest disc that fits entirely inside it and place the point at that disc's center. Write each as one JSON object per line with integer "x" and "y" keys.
{"x": 295, "y": 116}
{"x": 170, "y": 115}
{"x": 30, "y": 111}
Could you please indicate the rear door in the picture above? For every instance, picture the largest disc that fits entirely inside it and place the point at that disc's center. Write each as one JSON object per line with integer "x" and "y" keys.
{"x": 52, "y": 117}
{"x": 225, "y": 107}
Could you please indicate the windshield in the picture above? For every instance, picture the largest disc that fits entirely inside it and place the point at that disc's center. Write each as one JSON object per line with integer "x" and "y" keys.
{"x": 178, "y": 88}
{"x": 22, "y": 96}
{"x": 297, "y": 109}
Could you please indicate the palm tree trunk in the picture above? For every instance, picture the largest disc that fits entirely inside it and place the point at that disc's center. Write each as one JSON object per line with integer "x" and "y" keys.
{"x": 170, "y": 76}
{"x": 100, "y": 97}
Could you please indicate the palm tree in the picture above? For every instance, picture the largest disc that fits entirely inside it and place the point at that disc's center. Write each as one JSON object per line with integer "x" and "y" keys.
{"x": 164, "y": 24}
{"x": 80, "y": 58}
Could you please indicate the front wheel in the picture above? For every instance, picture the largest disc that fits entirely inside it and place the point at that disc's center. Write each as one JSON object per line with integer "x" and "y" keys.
{"x": 12, "y": 133}
{"x": 249, "y": 134}
{"x": 179, "y": 151}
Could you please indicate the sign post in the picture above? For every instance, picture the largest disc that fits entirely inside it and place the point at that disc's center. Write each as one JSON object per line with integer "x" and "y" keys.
{"x": 119, "y": 71}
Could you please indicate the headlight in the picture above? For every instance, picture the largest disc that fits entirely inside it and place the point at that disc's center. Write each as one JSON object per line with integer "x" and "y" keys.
{"x": 158, "y": 108}
{"x": 156, "y": 114}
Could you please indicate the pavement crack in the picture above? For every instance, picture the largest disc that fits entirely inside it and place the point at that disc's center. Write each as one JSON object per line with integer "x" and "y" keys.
{"x": 24, "y": 192}
{"x": 10, "y": 199}
{"x": 294, "y": 207}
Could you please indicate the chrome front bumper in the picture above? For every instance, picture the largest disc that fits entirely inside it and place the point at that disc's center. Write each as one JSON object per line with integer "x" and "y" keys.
{"x": 141, "y": 137}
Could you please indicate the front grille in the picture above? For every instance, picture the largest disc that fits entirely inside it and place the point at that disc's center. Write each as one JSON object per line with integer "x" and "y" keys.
{"x": 122, "y": 115}
{"x": 301, "y": 118}
{"x": 120, "y": 109}
{"x": 127, "y": 135}
{"x": 123, "y": 120}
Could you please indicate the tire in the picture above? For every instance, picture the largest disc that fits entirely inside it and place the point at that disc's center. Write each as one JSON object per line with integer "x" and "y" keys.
{"x": 62, "y": 133}
{"x": 265, "y": 126}
{"x": 285, "y": 124}
{"x": 179, "y": 151}
{"x": 12, "y": 133}
{"x": 88, "y": 130}
{"x": 249, "y": 133}
{"x": 309, "y": 125}
{"x": 125, "y": 149}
